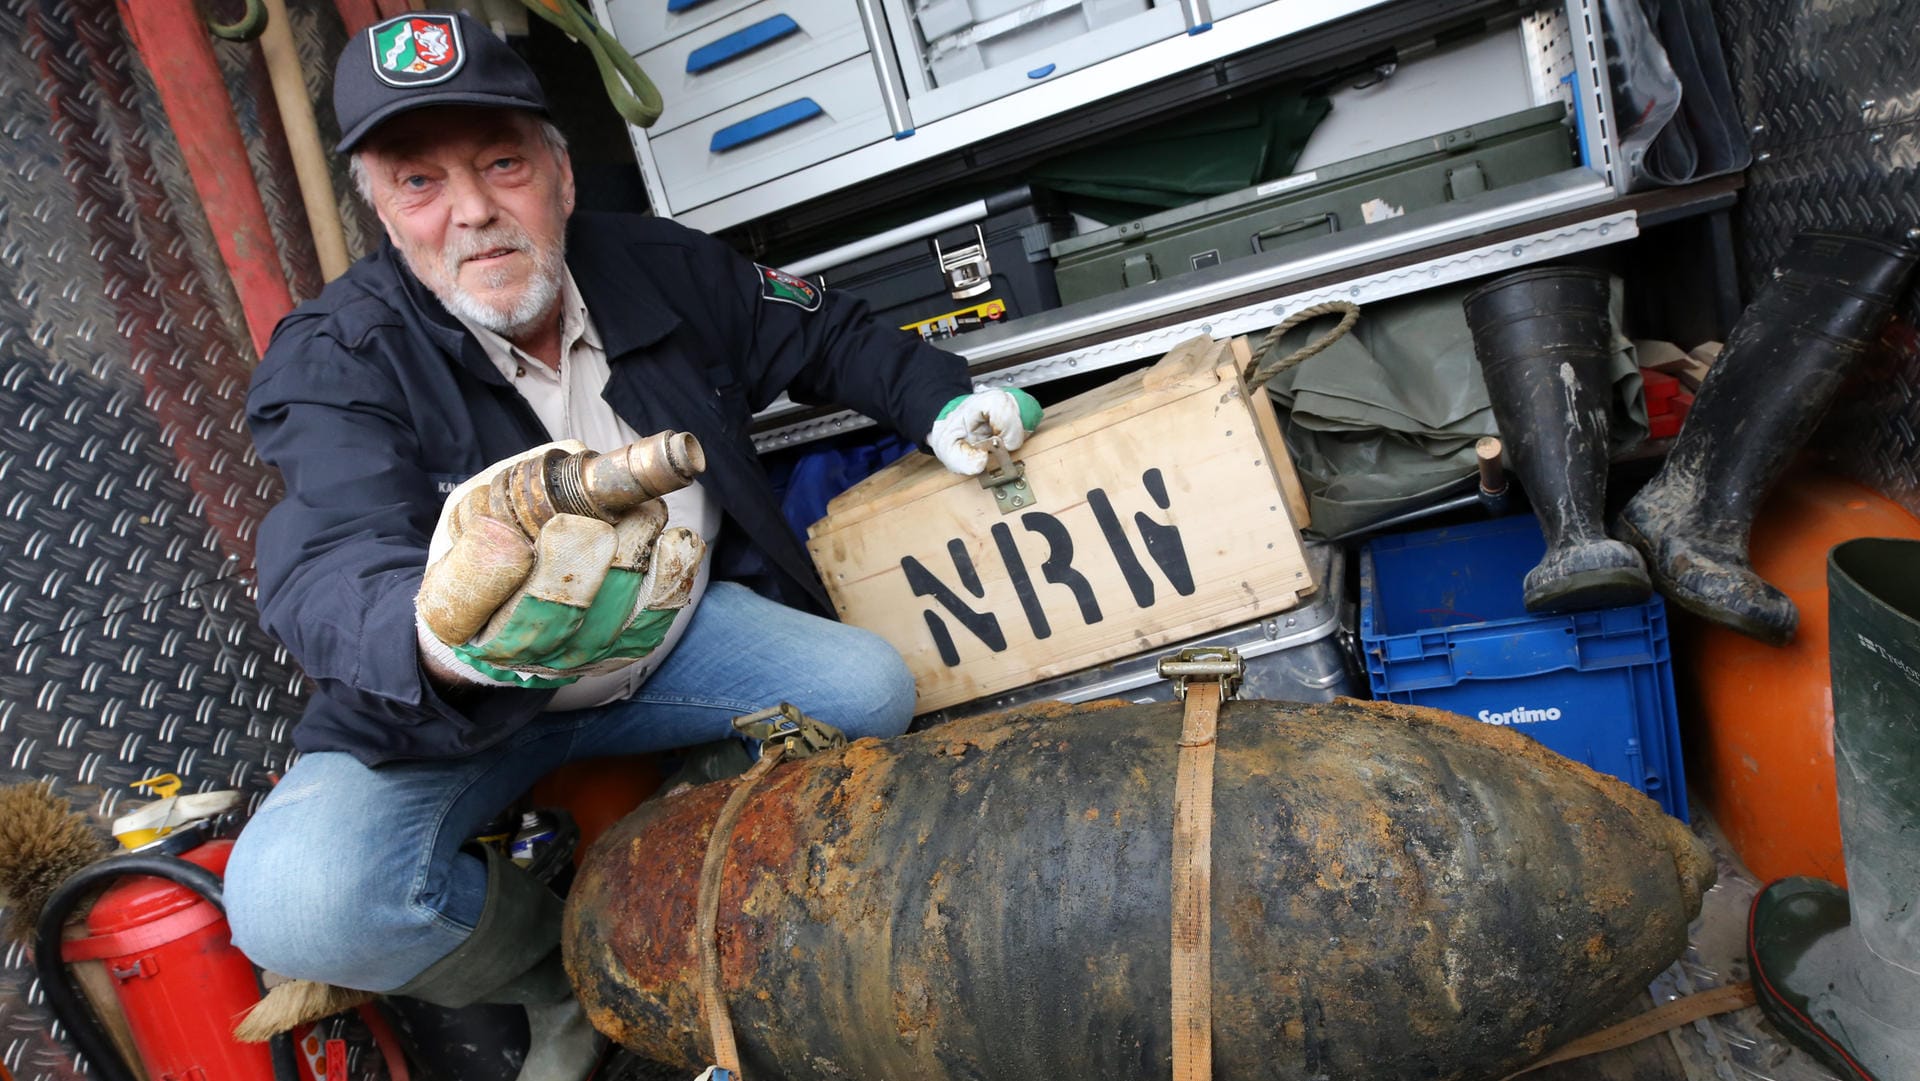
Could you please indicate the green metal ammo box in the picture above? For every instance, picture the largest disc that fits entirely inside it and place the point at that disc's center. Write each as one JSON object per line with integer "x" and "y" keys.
{"x": 1333, "y": 198}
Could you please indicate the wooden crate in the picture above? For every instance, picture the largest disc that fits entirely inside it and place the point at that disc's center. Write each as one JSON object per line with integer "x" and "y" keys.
{"x": 1163, "y": 507}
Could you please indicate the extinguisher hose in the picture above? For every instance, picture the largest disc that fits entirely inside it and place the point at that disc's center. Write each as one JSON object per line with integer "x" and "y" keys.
{"x": 66, "y": 1001}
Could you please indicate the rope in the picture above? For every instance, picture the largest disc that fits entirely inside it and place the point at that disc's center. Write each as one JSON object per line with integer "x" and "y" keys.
{"x": 1260, "y": 368}
{"x": 1681, "y": 1011}
{"x": 726, "y": 1052}
{"x": 1193, "y": 885}
{"x": 632, "y": 93}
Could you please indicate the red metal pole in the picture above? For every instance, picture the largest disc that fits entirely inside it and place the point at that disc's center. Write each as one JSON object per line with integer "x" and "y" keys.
{"x": 357, "y": 14}
{"x": 172, "y": 39}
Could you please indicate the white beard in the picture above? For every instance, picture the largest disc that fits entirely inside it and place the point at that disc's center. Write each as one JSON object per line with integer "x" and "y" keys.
{"x": 537, "y": 298}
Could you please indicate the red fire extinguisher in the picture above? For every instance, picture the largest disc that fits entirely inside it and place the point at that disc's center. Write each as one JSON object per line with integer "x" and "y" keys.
{"x": 162, "y": 932}
{"x": 180, "y": 981}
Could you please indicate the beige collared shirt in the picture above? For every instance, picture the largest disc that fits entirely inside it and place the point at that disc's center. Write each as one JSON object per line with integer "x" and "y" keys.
{"x": 570, "y": 404}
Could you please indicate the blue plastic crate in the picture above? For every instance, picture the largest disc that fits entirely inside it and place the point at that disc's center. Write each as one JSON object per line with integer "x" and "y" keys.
{"x": 1442, "y": 624}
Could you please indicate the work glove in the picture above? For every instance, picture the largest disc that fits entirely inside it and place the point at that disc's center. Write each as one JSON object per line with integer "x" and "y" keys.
{"x": 968, "y": 423}
{"x": 582, "y": 598}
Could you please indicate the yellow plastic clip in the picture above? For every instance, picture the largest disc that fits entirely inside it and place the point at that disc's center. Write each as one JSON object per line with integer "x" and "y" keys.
{"x": 163, "y": 785}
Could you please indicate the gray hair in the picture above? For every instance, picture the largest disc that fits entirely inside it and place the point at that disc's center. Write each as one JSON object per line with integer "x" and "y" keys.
{"x": 362, "y": 183}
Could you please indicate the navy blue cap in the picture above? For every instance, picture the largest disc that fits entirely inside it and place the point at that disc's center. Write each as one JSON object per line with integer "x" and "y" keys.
{"x": 426, "y": 58}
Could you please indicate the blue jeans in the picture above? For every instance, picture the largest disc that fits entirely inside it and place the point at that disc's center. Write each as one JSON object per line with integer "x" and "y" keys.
{"x": 354, "y": 876}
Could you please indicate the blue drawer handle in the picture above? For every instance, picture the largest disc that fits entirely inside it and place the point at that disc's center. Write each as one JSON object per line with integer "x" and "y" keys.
{"x": 674, "y": 7}
{"x": 775, "y": 119}
{"x": 1040, "y": 72}
{"x": 740, "y": 43}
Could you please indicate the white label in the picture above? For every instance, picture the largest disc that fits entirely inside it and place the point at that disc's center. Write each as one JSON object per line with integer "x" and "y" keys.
{"x": 1286, "y": 183}
{"x": 1886, "y": 655}
{"x": 1521, "y": 715}
{"x": 1374, "y": 210}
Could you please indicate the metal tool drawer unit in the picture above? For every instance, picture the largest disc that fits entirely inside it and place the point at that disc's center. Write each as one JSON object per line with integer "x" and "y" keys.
{"x": 955, "y": 54}
{"x": 747, "y": 53}
{"x": 760, "y": 139}
{"x": 924, "y": 120}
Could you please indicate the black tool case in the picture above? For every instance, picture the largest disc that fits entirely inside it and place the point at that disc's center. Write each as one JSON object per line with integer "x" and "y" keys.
{"x": 1332, "y": 198}
{"x": 962, "y": 276}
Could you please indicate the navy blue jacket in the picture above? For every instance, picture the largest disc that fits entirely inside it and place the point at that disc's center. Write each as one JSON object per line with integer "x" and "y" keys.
{"x": 373, "y": 401}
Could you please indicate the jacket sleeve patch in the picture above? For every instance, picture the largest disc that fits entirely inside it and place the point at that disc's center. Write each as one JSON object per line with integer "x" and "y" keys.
{"x": 788, "y": 289}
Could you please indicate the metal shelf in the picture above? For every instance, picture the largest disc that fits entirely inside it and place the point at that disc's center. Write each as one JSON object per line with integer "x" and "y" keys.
{"x": 1555, "y": 216}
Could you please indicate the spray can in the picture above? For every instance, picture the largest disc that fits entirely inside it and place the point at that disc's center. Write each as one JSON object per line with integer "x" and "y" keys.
{"x": 536, "y": 833}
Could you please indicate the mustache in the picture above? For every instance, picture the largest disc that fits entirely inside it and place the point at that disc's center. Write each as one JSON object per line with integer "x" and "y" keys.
{"x": 459, "y": 249}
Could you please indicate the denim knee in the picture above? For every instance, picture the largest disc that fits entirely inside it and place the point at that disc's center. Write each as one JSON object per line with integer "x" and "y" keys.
{"x": 875, "y": 694}
{"x": 336, "y": 913}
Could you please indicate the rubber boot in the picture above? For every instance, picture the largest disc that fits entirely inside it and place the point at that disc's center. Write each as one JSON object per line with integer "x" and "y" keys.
{"x": 1840, "y": 973}
{"x": 1542, "y": 337}
{"x": 513, "y": 956}
{"x": 1783, "y": 363}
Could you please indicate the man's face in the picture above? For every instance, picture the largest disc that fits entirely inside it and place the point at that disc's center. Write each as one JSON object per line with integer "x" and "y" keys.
{"x": 477, "y": 203}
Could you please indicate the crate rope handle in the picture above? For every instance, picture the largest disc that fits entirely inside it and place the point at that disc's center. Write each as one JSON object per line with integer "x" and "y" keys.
{"x": 1260, "y": 368}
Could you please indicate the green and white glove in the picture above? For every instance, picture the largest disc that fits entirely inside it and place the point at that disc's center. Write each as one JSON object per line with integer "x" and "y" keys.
{"x": 964, "y": 427}
{"x": 582, "y": 598}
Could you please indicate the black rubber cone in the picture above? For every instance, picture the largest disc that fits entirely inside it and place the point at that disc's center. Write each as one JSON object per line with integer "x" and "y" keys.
{"x": 1761, "y": 400}
{"x": 1839, "y": 970}
{"x": 1542, "y": 337}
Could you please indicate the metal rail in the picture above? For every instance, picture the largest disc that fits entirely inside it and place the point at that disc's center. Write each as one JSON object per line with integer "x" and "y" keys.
{"x": 1094, "y": 335}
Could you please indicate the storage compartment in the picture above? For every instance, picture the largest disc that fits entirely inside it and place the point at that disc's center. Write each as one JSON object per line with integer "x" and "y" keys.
{"x": 1291, "y": 656}
{"x": 749, "y": 52}
{"x": 975, "y": 45}
{"x": 1442, "y": 624}
{"x": 965, "y": 277}
{"x": 1144, "y": 512}
{"x": 1331, "y": 199}
{"x": 955, "y": 54}
{"x": 797, "y": 125}
{"x": 645, "y": 24}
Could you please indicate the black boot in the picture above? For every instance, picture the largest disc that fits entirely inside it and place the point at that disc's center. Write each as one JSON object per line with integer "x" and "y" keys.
{"x": 1784, "y": 361}
{"x": 1542, "y": 337}
{"x": 1839, "y": 971}
{"x": 513, "y": 956}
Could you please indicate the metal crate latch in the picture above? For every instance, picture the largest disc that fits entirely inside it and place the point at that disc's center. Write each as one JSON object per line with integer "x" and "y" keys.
{"x": 1006, "y": 479}
{"x": 967, "y": 269}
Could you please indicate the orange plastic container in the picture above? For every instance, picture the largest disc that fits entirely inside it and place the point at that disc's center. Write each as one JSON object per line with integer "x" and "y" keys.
{"x": 1758, "y": 720}
{"x": 599, "y": 791}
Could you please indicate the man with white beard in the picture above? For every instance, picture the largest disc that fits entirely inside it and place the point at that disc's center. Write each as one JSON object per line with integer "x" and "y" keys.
{"x": 494, "y": 321}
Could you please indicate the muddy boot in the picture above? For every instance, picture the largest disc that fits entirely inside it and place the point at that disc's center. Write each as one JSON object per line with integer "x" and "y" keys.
{"x": 1840, "y": 974}
{"x": 1784, "y": 361}
{"x": 1542, "y": 337}
{"x": 513, "y": 957}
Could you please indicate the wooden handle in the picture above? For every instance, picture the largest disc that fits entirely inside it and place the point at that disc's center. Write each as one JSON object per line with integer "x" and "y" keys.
{"x": 303, "y": 139}
{"x": 1493, "y": 479}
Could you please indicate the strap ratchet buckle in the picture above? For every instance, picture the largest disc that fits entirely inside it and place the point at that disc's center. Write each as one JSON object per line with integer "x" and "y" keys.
{"x": 798, "y": 735}
{"x": 1215, "y": 663}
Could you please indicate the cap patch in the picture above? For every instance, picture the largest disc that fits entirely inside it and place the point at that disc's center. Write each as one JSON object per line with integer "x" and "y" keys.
{"x": 417, "y": 50}
{"x": 782, "y": 286}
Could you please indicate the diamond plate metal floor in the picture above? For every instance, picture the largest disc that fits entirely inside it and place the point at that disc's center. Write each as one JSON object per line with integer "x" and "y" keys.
{"x": 129, "y": 491}
{"x": 1831, "y": 94}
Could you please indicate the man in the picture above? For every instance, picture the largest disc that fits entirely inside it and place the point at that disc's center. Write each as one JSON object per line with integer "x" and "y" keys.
{"x": 492, "y": 321}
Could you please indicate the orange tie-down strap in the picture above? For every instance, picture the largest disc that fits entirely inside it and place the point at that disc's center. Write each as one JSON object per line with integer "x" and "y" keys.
{"x": 1681, "y": 1011}
{"x": 1193, "y": 886}
{"x": 726, "y": 1053}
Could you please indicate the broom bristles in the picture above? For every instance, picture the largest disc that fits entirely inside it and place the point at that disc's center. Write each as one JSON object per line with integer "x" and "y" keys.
{"x": 43, "y": 841}
{"x": 295, "y": 1003}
